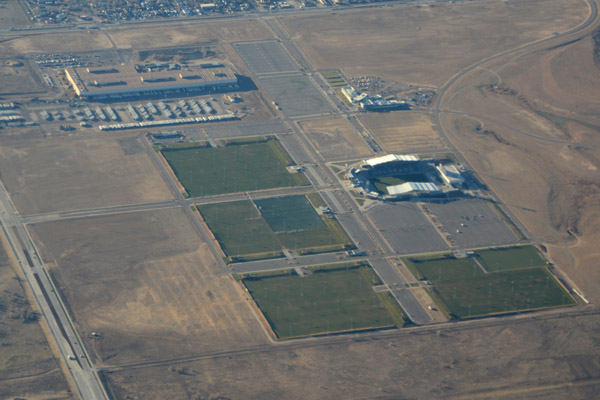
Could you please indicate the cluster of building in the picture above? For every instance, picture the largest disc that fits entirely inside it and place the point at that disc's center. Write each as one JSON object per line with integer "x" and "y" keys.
{"x": 149, "y": 79}
{"x": 436, "y": 180}
{"x": 119, "y": 10}
{"x": 373, "y": 103}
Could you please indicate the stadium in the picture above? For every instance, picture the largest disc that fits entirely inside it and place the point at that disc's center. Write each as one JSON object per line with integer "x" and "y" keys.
{"x": 406, "y": 177}
{"x": 129, "y": 80}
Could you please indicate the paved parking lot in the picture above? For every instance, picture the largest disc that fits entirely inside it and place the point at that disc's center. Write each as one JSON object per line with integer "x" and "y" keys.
{"x": 296, "y": 95}
{"x": 478, "y": 225}
{"x": 406, "y": 228}
{"x": 265, "y": 57}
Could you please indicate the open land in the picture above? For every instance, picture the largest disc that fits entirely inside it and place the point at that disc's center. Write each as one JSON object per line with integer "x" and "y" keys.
{"x": 238, "y": 166}
{"x": 467, "y": 289}
{"x": 54, "y": 42}
{"x": 18, "y": 79}
{"x": 148, "y": 283}
{"x": 12, "y": 14}
{"x": 59, "y": 173}
{"x": 545, "y": 170}
{"x": 28, "y": 367}
{"x": 326, "y": 301}
{"x": 335, "y": 138}
{"x": 190, "y": 33}
{"x": 517, "y": 359}
{"x": 403, "y": 44}
{"x": 403, "y": 132}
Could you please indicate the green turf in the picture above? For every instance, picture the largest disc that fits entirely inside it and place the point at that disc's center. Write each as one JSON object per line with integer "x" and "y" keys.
{"x": 381, "y": 183}
{"x": 288, "y": 214}
{"x": 509, "y": 258}
{"x": 239, "y": 228}
{"x": 467, "y": 291}
{"x": 325, "y": 302}
{"x": 245, "y": 234}
{"x": 237, "y": 166}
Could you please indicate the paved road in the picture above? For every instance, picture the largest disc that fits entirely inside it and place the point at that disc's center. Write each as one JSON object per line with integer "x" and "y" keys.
{"x": 64, "y": 336}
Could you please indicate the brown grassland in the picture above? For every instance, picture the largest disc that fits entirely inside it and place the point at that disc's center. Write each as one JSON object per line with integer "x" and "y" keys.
{"x": 403, "y": 132}
{"x": 59, "y": 173}
{"x": 544, "y": 169}
{"x": 335, "y": 138}
{"x": 148, "y": 283}
{"x": 28, "y": 367}
{"x": 427, "y": 45}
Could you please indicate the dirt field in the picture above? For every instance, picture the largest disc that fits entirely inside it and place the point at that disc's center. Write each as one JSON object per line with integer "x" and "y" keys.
{"x": 546, "y": 171}
{"x": 19, "y": 79}
{"x": 12, "y": 14}
{"x": 55, "y": 42}
{"x": 74, "y": 172}
{"x": 335, "y": 138}
{"x": 403, "y": 131}
{"x": 27, "y": 366}
{"x": 427, "y": 45}
{"x": 190, "y": 33}
{"x": 553, "y": 359}
{"x": 148, "y": 284}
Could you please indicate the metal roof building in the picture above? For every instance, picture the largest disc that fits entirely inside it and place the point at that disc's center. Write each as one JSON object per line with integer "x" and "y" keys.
{"x": 373, "y": 162}
{"x": 411, "y": 187}
{"x": 131, "y": 80}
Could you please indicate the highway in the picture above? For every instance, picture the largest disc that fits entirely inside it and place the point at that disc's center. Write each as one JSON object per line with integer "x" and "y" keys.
{"x": 66, "y": 339}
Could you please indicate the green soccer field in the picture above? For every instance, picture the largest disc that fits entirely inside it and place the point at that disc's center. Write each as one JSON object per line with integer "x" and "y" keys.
{"x": 237, "y": 166}
{"x": 467, "y": 288}
{"x": 328, "y": 301}
{"x": 381, "y": 183}
{"x": 245, "y": 233}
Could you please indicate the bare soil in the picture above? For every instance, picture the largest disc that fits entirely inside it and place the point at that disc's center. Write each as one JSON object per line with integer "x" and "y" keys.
{"x": 427, "y": 45}
{"x": 403, "y": 131}
{"x": 148, "y": 284}
{"x": 190, "y": 33}
{"x": 28, "y": 367}
{"x": 58, "y": 173}
{"x": 544, "y": 168}
{"x": 546, "y": 359}
{"x": 335, "y": 138}
{"x": 12, "y": 14}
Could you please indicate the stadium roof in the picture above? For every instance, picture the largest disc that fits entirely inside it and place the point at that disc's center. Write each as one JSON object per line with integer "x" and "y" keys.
{"x": 408, "y": 187}
{"x": 389, "y": 158}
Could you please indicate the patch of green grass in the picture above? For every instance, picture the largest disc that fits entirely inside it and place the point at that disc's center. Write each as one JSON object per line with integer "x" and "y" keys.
{"x": 381, "y": 183}
{"x": 235, "y": 167}
{"x": 468, "y": 291}
{"x": 245, "y": 233}
{"x": 510, "y": 258}
{"x": 327, "y": 301}
{"x": 240, "y": 229}
{"x": 289, "y": 214}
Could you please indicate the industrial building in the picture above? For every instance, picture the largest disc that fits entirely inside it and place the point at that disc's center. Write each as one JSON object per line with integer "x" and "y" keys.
{"x": 372, "y": 103}
{"x": 131, "y": 80}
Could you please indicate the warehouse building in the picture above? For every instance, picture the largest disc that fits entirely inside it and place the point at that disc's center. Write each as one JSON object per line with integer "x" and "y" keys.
{"x": 131, "y": 80}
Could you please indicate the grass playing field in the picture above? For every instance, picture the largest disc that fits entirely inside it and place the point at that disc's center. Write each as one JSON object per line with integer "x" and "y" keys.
{"x": 244, "y": 233}
{"x": 328, "y": 300}
{"x": 469, "y": 287}
{"x": 237, "y": 166}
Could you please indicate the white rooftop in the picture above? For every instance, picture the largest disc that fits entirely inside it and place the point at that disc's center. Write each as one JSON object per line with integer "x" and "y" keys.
{"x": 408, "y": 187}
{"x": 390, "y": 158}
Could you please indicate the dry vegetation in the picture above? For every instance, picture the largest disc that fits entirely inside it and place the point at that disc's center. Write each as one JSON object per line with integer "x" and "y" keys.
{"x": 335, "y": 138}
{"x": 58, "y": 173}
{"x": 18, "y": 79}
{"x": 55, "y": 42}
{"x": 545, "y": 170}
{"x": 190, "y": 33}
{"x": 403, "y": 131}
{"x": 427, "y": 45}
{"x": 12, "y": 14}
{"x": 554, "y": 359}
{"x": 148, "y": 283}
{"x": 27, "y": 366}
